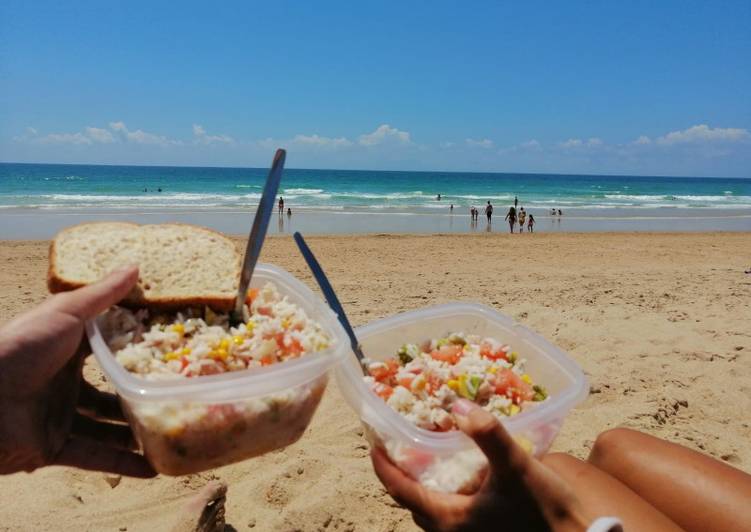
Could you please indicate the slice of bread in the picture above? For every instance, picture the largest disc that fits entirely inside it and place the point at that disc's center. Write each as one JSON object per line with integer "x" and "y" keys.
{"x": 180, "y": 265}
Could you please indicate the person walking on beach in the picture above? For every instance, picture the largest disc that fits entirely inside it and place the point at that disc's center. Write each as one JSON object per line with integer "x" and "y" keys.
{"x": 531, "y": 223}
{"x": 511, "y": 217}
{"x": 281, "y": 205}
{"x": 451, "y": 209}
{"x": 489, "y": 211}
{"x": 522, "y": 218}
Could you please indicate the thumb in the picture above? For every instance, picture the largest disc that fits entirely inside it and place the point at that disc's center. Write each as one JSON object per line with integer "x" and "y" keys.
{"x": 507, "y": 459}
{"x": 91, "y": 300}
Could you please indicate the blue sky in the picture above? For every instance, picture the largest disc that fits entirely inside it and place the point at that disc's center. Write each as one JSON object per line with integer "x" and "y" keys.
{"x": 570, "y": 87}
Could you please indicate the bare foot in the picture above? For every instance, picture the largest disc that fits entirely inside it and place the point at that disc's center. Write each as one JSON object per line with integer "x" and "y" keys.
{"x": 205, "y": 511}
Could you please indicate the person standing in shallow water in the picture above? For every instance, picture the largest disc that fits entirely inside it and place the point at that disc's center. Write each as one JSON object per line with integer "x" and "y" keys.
{"x": 531, "y": 223}
{"x": 516, "y": 201}
{"x": 489, "y": 212}
{"x": 281, "y": 205}
{"x": 511, "y": 217}
{"x": 522, "y": 218}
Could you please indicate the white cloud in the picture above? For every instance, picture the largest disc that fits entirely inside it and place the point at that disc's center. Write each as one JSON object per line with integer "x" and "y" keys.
{"x": 200, "y": 136}
{"x": 384, "y": 133}
{"x": 139, "y": 136}
{"x": 99, "y": 135}
{"x": 703, "y": 133}
{"x": 447, "y": 144}
{"x": 591, "y": 142}
{"x": 571, "y": 143}
{"x": 65, "y": 138}
{"x": 643, "y": 140}
{"x": 31, "y": 131}
{"x": 530, "y": 145}
{"x": 322, "y": 142}
{"x": 484, "y": 143}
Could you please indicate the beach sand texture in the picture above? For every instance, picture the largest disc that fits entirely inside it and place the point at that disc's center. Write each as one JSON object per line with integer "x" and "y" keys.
{"x": 659, "y": 322}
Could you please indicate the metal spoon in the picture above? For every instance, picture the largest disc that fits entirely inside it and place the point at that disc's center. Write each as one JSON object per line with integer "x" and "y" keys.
{"x": 330, "y": 295}
{"x": 258, "y": 232}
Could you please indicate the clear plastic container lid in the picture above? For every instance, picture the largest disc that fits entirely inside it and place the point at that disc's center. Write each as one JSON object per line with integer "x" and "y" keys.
{"x": 548, "y": 366}
{"x": 236, "y": 385}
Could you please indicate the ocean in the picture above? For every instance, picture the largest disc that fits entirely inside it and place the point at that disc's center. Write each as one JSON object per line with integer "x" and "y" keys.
{"x": 43, "y": 186}
{"x": 37, "y": 200}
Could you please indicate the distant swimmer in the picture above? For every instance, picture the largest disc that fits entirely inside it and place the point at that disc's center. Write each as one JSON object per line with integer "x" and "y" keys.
{"x": 159, "y": 189}
{"x": 438, "y": 197}
{"x": 281, "y": 205}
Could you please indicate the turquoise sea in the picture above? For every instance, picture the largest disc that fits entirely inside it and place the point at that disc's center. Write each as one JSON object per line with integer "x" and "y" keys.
{"x": 42, "y": 186}
{"x": 37, "y": 200}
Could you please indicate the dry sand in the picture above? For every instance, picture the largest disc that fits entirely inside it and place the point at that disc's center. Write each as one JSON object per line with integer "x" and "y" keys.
{"x": 659, "y": 322}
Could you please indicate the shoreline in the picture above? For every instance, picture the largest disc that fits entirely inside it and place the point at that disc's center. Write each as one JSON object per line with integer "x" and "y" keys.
{"x": 32, "y": 224}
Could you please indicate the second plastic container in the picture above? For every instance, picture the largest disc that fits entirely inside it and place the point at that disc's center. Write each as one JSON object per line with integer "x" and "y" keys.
{"x": 450, "y": 461}
{"x": 191, "y": 425}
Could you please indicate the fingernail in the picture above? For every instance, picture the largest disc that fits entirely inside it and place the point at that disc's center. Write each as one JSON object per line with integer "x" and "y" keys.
{"x": 463, "y": 407}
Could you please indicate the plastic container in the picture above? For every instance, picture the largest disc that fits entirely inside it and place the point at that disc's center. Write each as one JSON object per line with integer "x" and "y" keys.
{"x": 450, "y": 461}
{"x": 191, "y": 425}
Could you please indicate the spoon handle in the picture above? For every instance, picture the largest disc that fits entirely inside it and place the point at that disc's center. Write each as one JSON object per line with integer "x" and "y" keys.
{"x": 329, "y": 294}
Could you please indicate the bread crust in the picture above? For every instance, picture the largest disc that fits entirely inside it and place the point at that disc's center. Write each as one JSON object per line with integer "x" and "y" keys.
{"x": 135, "y": 299}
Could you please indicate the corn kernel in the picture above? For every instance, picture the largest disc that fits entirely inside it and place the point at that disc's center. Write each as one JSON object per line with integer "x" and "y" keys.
{"x": 224, "y": 344}
{"x": 238, "y": 340}
{"x": 286, "y": 323}
{"x": 185, "y": 351}
{"x": 453, "y": 384}
{"x": 514, "y": 410}
{"x": 492, "y": 369}
{"x": 526, "y": 378}
{"x": 249, "y": 328}
{"x": 221, "y": 353}
{"x": 179, "y": 328}
{"x": 171, "y": 356}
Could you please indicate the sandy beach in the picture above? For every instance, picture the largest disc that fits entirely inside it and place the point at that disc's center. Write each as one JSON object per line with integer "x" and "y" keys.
{"x": 659, "y": 322}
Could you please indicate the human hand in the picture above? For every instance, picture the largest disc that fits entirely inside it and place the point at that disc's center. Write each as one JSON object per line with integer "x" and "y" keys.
{"x": 48, "y": 414}
{"x": 518, "y": 492}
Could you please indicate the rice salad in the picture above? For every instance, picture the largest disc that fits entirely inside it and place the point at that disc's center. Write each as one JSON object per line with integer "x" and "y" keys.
{"x": 423, "y": 382}
{"x": 187, "y": 435}
{"x": 200, "y": 342}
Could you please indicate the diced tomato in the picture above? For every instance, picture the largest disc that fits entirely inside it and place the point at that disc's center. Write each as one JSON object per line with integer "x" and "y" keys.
{"x": 384, "y": 372}
{"x": 267, "y": 360}
{"x": 184, "y": 363}
{"x": 264, "y": 311}
{"x": 252, "y": 294}
{"x": 210, "y": 369}
{"x": 487, "y": 351}
{"x": 383, "y": 391}
{"x": 416, "y": 461}
{"x": 512, "y": 386}
{"x": 447, "y": 353}
{"x": 434, "y": 382}
{"x": 295, "y": 348}
{"x": 406, "y": 381}
{"x": 279, "y": 340}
